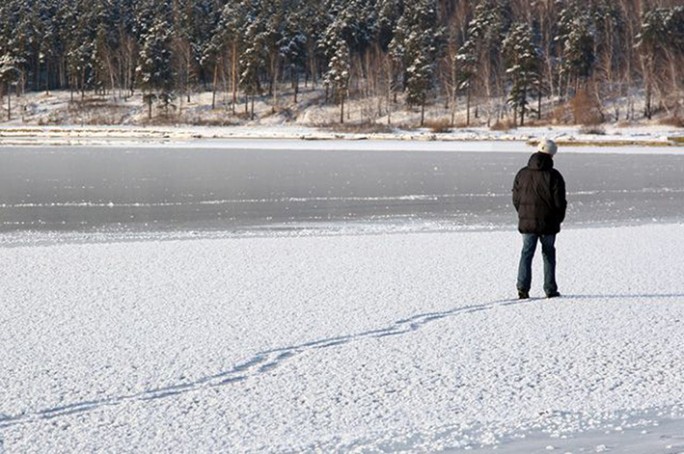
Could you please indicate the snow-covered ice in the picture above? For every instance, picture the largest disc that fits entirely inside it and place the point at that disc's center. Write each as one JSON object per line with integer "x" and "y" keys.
{"x": 362, "y": 343}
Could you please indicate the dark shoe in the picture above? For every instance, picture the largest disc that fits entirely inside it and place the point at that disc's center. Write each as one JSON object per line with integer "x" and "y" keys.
{"x": 553, "y": 295}
{"x": 523, "y": 294}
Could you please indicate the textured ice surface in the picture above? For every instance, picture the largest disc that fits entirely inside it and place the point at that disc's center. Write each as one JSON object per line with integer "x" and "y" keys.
{"x": 342, "y": 343}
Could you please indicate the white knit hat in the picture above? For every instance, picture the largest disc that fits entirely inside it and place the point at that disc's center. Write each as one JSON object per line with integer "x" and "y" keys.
{"x": 547, "y": 146}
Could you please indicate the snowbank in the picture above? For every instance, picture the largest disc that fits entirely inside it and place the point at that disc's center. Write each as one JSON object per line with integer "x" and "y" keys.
{"x": 310, "y": 137}
{"x": 342, "y": 343}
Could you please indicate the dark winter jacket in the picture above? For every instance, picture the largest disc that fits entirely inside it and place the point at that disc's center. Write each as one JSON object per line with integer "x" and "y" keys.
{"x": 539, "y": 196}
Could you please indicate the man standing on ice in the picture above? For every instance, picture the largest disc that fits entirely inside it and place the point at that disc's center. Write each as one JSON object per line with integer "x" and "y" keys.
{"x": 539, "y": 199}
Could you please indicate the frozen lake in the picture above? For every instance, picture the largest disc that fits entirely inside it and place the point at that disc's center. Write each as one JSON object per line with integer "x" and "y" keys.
{"x": 270, "y": 339}
{"x": 236, "y": 190}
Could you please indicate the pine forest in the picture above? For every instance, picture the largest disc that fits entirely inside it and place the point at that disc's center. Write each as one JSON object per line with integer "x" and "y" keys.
{"x": 515, "y": 61}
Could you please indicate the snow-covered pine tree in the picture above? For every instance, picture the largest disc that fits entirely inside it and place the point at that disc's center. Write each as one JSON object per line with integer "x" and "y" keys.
{"x": 10, "y": 74}
{"x": 481, "y": 52}
{"x": 226, "y": 44}
{"x": 253, "y": 54}
{"x": 316, "y": 18}
{"x": 49, "y": 47}
{"x": 204, "y": 16}
{"x": 154, "y": 73}
{"x": 102, "y": 65}
{"x": 389, "y": 12}
{"x": 21, "y": 41}
{"x": 416, "y": 46}
{"x": 576, "y": 37}
{"x": 4, "y": 25}
{"x": 11, "y": 60}
{"x": 79, "y": 38}
{"x": 467, "y": 70}
{"x": 265, "y": 38}
{"x": 328, "y": 41}
{"x": 272, "y": 17}
{"x": 185, "y": 60}
{"x": 350, "y": 31}
{"x": 336, "y": 50}
{"x": 293, "y": 42}
{"x": 109, "y": 28}
{"x": 360, "y": 19}
{"x": 523, "y": 61}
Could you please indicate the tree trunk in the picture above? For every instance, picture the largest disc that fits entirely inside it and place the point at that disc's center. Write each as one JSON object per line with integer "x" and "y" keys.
{"x": 233, "y": 73}
{"x": 389, "y": 96}
{"x": 213, "y": 88}
{"x": 650, "y": 65}
{"x": 454, "y": 93}
{"x": 296, "y": 85}
{"x": 274, "y": 89}
{"x": 522, "y": 107}
{"x": 522, "y": 115}
{"x": 539, "y": 104}
{"x": 83, "y": 86}
{"x": 187, "y": 84}
{"x": 468, "y": 107}
{"x": 515, "y": 114}
{"x": 47, "y": 76}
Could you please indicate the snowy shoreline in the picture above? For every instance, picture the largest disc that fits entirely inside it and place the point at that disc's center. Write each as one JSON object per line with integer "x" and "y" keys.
{"x": 667, "y": 139}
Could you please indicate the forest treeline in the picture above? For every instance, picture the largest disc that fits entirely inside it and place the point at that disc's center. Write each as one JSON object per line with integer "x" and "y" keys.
{"x": 506, "y": 56}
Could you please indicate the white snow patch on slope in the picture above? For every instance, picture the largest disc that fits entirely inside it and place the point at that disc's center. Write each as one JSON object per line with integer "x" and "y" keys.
{"x": 342, "y": 343}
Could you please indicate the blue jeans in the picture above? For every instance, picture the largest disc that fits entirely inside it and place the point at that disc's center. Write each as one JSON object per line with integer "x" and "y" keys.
{"x": 549, "y": 256}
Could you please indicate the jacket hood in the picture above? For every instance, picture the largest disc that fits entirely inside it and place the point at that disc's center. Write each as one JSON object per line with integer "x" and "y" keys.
{"x": 540, "y": 161}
